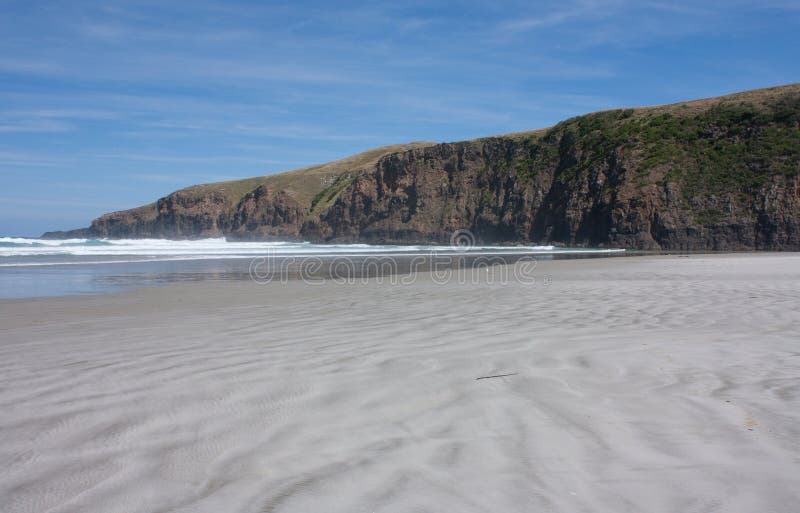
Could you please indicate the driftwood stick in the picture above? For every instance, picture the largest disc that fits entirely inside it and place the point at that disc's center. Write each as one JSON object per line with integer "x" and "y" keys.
{"x": 497, "y": 376}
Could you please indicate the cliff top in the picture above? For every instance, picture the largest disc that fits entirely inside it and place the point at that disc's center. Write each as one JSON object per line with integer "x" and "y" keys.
{"x": 757, "y": 98}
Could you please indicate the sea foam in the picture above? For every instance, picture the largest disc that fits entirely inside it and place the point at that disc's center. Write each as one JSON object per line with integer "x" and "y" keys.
{"x": 23, "y": 251}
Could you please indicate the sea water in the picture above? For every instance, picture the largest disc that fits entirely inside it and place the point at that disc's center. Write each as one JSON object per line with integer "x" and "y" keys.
{"x": 40, "y": 267}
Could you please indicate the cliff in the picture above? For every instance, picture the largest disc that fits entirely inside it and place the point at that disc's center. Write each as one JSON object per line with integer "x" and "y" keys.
{"x": 718, "y": 174}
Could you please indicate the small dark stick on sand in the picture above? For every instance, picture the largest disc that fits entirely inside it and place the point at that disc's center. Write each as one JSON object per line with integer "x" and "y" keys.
{"x": 496, "y": 376}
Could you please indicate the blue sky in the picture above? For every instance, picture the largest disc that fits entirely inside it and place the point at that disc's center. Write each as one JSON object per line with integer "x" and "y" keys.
{"x": 109, "y": 105}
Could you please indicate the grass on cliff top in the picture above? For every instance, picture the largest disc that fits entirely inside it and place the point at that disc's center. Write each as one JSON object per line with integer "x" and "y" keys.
{"x": 305, "y": 183}
{"x": 731, "y": 143}
{"x": 758, "y": 98}
{"x": 144, "y": 213}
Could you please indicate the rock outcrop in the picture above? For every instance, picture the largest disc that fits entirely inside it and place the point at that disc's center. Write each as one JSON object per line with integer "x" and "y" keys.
{"x": 716, "y": 174}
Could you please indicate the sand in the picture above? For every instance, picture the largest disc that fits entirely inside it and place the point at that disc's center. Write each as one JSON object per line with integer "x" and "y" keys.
{"x": 647, "y": 384}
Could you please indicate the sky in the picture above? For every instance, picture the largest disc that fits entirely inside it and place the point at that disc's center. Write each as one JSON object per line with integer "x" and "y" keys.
{"x": 112, "y": 104}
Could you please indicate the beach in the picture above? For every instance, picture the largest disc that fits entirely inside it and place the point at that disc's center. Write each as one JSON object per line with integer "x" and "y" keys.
{"x": 642, "y": 384}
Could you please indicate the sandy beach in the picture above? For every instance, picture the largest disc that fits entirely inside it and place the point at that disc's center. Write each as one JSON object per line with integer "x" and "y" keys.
{"x": 641, "y": 384}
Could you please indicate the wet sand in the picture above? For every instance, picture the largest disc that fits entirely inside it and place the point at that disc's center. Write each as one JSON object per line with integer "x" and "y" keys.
{"x": 644, "y": 384}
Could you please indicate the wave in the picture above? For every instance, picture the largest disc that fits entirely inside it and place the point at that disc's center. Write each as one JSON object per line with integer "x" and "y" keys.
{"x": 310, "y": 255}
{"x": 11, "y": 242}
{"x": 87, "y": 251}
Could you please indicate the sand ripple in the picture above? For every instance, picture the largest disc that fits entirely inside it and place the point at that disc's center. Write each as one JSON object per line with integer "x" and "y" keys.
{"x": 653, "y": 384}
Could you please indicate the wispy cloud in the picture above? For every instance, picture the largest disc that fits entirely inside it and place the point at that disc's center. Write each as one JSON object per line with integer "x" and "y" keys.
{"x": 37, "y": 120}
{"x": 36, "y": 126}
{"x": 34, "y": 201}
{"x": 30, "y": 65}
{"x": 61, "y": 113}
{"x": 183, "y": 178}
{"x": 118, "y": 157}
{"x": 15, "y": 158}
{"x": 528, "y": 23}
{"x": 581, "y": 24}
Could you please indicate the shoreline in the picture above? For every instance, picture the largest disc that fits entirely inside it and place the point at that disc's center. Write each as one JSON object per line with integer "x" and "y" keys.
{"x": 89, "y": 277}
{"x": 105, "y": 278}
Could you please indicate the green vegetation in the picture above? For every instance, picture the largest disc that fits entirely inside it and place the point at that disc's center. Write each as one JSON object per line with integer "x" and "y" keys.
{"x": 535, "y": 155}
{"x": 729, "y": 145}
{"x": 334, "y": 185}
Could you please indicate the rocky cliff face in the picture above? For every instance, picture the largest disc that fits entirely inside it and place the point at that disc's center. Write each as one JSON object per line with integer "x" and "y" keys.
{"x": 425, "y": 195}
{"x": 718, "y": 174}
{"x": 266, "y": 213}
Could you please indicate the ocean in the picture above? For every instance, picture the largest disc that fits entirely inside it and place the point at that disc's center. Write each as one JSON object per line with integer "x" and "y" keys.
{"x": 39, "y": 267}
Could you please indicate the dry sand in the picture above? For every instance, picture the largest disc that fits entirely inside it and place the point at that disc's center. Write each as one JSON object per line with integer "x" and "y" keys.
{"x": 652, "y": 384}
